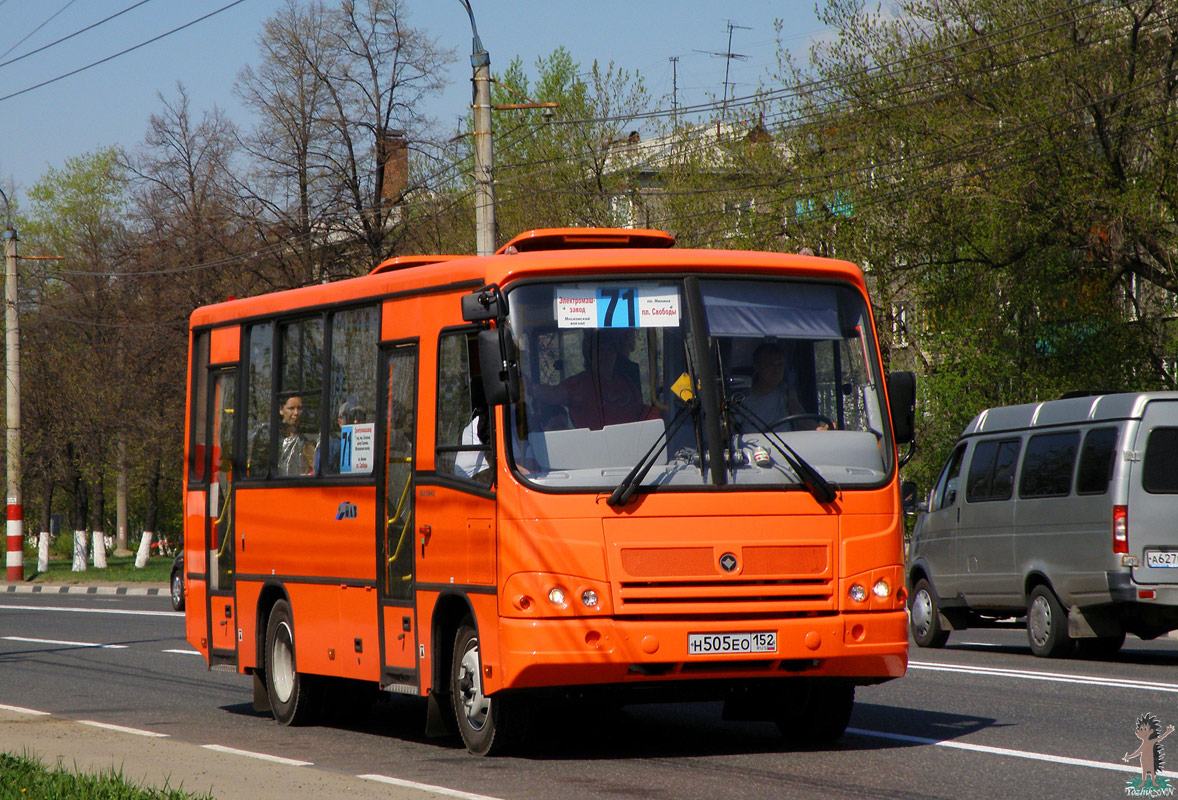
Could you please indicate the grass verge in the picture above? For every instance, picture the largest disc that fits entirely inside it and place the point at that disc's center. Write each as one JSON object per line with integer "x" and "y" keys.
{"x": 119, "y": 569}
{"x": 25, "y": 778}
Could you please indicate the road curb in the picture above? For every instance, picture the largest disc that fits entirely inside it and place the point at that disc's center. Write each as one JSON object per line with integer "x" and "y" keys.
{"x": 42, "y": 588}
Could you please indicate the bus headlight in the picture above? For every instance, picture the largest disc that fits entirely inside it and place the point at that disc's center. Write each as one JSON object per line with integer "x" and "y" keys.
{"x": 857, "y": 593}
{"x": 556, "y": 596}
{"x": 881, "y": 589}
{"x": 589, "y": 598}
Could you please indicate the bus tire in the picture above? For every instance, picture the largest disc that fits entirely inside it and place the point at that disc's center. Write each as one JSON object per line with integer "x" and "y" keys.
{"x": 924, "y": 616}
{"x": 489, "y": 725}
{"x": 1047, "y": 624}
{"x": 292, "y": 694}
{"x": 815, "y": 710}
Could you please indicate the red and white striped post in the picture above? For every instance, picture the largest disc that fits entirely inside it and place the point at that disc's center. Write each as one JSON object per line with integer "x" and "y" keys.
{"x": 16, "y": 552}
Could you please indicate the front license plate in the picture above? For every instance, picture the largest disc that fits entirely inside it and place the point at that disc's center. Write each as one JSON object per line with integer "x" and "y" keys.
{"x": 1161, "y": 558}
{"x": 707, "y": 644}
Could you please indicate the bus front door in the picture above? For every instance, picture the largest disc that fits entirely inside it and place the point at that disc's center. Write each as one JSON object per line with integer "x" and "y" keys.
{"x": 221, "y": 566}
{"x": 398, "y": 619}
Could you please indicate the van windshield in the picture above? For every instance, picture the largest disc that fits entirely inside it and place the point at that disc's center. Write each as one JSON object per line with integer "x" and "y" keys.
{"x": 617, "y": 371}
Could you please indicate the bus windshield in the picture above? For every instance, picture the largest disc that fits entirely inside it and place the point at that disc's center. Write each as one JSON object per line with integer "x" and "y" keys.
{"x": 771, "y": 376}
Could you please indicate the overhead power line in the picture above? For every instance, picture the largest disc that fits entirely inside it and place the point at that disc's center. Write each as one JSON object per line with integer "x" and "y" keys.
{"x": 121, "y": 52}
{"x": 67, "y": 37}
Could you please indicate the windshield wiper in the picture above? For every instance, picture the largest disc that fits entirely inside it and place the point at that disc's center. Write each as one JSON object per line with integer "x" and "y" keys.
{"x": 625, "y": 490}
{"x": 823, "y": 490}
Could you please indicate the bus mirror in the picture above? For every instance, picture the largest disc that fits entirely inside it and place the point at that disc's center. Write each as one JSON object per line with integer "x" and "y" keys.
{"x": 500, "y": 370}
{"x": 902, "y": 404}
{"x": 909, "y": 497}
{"x": 482, "y": 305}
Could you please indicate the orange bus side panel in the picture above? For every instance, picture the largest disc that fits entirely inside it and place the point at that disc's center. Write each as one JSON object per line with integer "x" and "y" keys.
{"x": 224, "y": 628}
{"x": 459, "y": 547}
{"x": 195, "y": 622}
{"x": 247, "y": 593}
{"x": 225, "y": 345}
{"x": 870, "y": 541}
{"x": 359, "y": 653}
{"x": 400, "y": 646}
{"x": 311, "y": 531}
{"x": 315, "y": 609}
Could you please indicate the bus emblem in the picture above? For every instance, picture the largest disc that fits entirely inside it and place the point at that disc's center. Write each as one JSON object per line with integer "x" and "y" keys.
{"x": 728, "y": 562}
{"x": 347, "y": 511}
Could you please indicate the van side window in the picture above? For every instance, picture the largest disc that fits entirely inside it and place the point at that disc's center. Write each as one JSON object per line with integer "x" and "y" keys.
{"x": 1048, "y": 464}
{"x": 991, "y": 470}
{"x": 1096, "y": 461}
{"x": 945, "y": 493}
{"x": 1160, "y": 475}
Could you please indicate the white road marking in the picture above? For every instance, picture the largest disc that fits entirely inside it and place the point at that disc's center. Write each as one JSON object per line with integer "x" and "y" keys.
{"x": 1005, "y": 751}
{"x": 290, "y": 762}
{"x": 122, "y": 729}
{"x": 428, "y": 787}
{"x": 93, "y": 610}
{"x": 1058, "y": 677}
{"x": 184, "y": 652}
{"x": 66, "y": 643}
{"x": 29, "y": 711}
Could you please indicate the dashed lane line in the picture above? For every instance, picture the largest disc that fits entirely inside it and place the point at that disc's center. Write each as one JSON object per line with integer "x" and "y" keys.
{"x": 123, "y": 729}
{"x": 290, "y": 762}
{"x": 65, "y": 643}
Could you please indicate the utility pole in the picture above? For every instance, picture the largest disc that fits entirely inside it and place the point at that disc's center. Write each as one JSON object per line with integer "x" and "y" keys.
{"x": 484, "y": 192}
{"x": 15, "y": 560}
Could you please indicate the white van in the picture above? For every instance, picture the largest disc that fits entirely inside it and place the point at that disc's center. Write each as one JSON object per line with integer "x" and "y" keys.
{"x": 1065, "y": 513}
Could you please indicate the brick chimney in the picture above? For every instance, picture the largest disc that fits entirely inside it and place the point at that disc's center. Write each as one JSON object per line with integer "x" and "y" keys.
{"x": 392, "y": 159}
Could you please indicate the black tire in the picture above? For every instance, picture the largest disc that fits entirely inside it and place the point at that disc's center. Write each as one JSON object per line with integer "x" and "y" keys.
{"x": 815, "y": 710}
{"x": 176, "y": 587}
{"x": 489, "y": 725}
{"x": 924, "y": 616}
{"x": 292, "y": 694}
{"x": 1100, "y": 647}
{"x": 1047, "y": 625}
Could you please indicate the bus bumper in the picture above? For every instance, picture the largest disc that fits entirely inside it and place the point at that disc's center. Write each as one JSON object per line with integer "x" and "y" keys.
{"x": 867, "y": 648}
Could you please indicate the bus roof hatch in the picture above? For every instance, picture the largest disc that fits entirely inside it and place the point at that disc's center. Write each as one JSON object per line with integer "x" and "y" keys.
{"x": 585, "y": 238}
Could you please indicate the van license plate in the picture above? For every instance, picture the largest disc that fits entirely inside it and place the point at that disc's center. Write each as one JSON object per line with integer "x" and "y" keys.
{"x": 1161, "y": 558}
{"x": 706, "y": 644}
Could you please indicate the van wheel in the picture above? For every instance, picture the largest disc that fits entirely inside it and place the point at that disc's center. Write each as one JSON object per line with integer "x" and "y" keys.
{"x": 291, "y": 693}
{"x": 925, "y": 617}
{"x": 489, "y": 725}
{"x": 1047, "y": 624}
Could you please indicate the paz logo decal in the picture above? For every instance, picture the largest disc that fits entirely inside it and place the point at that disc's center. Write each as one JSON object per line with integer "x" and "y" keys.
{"x": 347, "y": 511}
{"x": 1152, "y": 757}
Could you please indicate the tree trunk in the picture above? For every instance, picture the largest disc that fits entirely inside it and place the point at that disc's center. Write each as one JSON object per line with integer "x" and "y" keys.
{"x": 81, "y": 510}
{"x": 121, "y": 501}
{"x": 46, "y": 527}
{"x": 153, "y": 491}
{"x": 98, "y": 525}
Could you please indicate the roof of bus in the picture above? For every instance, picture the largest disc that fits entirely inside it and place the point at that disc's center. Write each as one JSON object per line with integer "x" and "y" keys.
{"x": 465, "y": 273}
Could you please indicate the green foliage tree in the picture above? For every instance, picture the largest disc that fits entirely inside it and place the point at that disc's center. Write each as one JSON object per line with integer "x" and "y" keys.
{"x": 1001, "y": 168}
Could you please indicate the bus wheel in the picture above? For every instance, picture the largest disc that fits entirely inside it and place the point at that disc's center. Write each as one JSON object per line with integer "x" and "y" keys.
{"x": 488, "y": 725}
{"x": 291, "y": 694}
{"x": 1047, "y": 624}
{"x": 815, "y": 710}
{"x": 925, "y": 617}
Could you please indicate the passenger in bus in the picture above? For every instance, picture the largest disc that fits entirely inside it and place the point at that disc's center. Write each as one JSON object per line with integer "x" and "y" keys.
{"x": 772, "y": 397}
{"x": 473, "y": 463}
{"x": 607, "y": 391}
{"x": 296, "y": 452}
{"x": 349, "y": 414}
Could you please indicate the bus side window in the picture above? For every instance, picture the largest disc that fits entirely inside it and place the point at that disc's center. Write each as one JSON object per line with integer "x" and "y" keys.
{"x": 464, "y": 439}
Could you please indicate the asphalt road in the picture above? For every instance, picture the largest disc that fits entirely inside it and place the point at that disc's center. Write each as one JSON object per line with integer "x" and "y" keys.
{"x": 980, "y": 718}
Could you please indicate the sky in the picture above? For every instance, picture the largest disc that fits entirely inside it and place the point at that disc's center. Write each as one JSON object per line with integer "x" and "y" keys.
{"x": 109, "y": 103}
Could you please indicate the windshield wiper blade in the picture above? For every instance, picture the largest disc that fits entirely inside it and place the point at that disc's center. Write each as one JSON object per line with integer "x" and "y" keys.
{"x": 823, "y": 490}
{"x": 629, "y": 485}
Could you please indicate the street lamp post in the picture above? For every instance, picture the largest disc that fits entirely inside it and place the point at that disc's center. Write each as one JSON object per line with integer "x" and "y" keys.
{"x": 15, "y": 558}
{"x": 484, "y": 198}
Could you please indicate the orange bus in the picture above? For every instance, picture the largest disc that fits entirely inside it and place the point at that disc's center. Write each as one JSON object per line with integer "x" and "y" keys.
{"x": 589, "y": 464}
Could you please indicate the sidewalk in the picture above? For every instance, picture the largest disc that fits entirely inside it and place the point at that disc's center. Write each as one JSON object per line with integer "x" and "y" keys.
{"x": 132, "y": 589}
